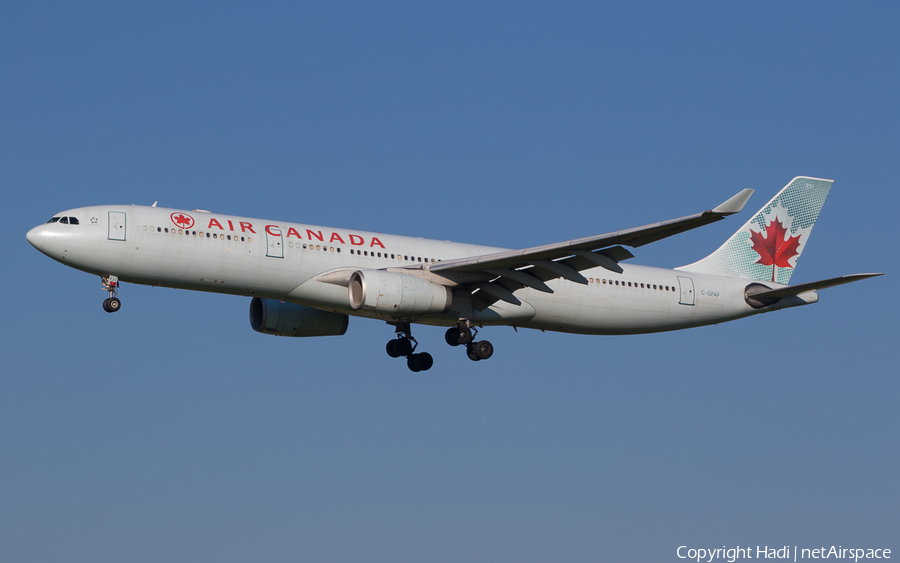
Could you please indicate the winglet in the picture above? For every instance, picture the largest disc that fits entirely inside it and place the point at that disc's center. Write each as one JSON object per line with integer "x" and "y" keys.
{"x": 735, "y": 204}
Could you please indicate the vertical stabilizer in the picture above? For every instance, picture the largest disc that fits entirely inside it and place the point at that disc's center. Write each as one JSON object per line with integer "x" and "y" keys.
{"x": 768, "y": 246}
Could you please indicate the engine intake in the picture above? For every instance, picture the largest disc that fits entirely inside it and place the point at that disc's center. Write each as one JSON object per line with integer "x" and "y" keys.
{"x": 399, "y": 294}
{"x": 269, "y": 316}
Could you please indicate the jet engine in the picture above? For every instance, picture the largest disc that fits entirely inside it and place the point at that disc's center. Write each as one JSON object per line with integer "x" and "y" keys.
{"x": 398, "y": 294}
{"x": 269, "y": 316}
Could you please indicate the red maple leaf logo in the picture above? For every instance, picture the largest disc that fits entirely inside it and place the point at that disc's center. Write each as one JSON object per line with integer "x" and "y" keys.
{"x": 776, "y": 247}
{"x": 183, "y": 220}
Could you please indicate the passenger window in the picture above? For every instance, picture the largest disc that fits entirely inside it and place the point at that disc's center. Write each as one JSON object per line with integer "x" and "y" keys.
{"x": 64, "y": 220}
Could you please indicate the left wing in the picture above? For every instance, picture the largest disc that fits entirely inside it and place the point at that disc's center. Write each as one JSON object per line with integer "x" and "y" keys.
{"x": 505, "y": 272}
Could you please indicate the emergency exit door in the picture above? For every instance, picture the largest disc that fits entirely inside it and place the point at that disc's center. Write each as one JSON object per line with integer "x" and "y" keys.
{"x": 116, "y": 225}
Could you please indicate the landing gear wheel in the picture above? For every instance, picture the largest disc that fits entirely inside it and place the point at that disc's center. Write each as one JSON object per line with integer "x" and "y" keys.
{"x": 399, "y": 347}
{"x": 452, "y": 336}
{"x": 403, "y": 346}
{"x": 470, "y": 351}
{"x": 420, "y": 362}
{"x": 483, "y": 349}
{"x": 113, "y": 304}
{"x": 106, "y": 305}
{"x": 464, "y": 335}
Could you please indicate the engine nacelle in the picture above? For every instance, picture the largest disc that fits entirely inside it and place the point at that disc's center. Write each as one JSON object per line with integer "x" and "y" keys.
{"x": 398, "y": 294}
{"x": 269, "y": 316}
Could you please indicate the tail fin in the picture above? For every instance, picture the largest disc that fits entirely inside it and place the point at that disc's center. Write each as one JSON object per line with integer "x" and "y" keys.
{"x": 768, "y": 246}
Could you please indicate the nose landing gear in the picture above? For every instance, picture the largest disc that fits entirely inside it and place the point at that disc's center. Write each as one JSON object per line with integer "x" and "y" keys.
{"x": 111, "y": 286}
{"x": 405, "y": 345}
{"x": 464, "y": 334}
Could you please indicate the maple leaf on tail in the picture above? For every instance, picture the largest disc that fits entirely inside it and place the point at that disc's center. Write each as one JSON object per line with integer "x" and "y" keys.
{"x": 774, "y": 248}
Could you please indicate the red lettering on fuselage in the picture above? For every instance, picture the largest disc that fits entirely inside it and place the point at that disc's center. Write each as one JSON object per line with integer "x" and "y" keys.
{"x": 247, "y": 227}
{"x": 230, "y": 226}
{"x": 269, "y": 230}
{"x": 293, "y": 231}
{"x": 353, "y": 240}
{"x": 317, "y": 234}
{"x": 216, "y": 223}
{"x": 376, "y": 241}
{"x": 335, "y": 236}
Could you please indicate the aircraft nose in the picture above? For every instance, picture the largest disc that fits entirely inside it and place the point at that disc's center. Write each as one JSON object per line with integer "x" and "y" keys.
{"x": 36, "y": 236}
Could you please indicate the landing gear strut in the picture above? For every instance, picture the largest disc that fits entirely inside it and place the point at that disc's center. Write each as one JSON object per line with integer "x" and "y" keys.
{"x": 405, "y": 345}
{"x": 464, "y": 334}
{"x": 111, "y": 286}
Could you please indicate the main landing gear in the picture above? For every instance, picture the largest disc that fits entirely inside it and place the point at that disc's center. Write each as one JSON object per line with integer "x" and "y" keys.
{"x": 464, "y": 334}
{"x": 405, "y": 345}
{"x": 111, "y": 286}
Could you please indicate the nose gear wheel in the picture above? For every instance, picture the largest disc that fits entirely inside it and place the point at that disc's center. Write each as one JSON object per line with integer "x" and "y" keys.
{"x": 110, "y": 284}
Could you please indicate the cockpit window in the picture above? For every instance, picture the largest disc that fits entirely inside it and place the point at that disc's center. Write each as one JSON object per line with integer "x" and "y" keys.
{"x": 73, "y": 220}
{"x": 53, "y": 220}
{"x": 64, "y": 220}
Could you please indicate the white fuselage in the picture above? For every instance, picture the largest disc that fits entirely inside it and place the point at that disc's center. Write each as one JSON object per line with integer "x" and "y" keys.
{"x": 287, "y": 261}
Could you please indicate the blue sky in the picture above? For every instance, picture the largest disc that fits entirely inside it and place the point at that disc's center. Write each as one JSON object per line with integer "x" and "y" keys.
{"x": 171, "y": 431}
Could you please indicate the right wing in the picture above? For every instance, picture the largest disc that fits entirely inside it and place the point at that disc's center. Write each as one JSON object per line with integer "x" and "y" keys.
{"x": 499, "y": 274}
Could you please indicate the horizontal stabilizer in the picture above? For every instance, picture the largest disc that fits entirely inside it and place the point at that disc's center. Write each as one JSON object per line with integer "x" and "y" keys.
{"x": 767, "y": 297}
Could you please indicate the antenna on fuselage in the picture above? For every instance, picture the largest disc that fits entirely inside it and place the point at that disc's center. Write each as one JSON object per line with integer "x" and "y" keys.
{"x": 154, "y": 203}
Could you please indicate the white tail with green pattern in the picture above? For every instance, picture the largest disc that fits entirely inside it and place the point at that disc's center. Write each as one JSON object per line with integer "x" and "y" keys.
{"x": 769, "y": 245}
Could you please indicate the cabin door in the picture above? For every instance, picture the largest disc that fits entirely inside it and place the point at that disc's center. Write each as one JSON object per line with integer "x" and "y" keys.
{"x": 274, "y": 243}
{"x": 687, "y": 290}
{"x": 116, "y": 225}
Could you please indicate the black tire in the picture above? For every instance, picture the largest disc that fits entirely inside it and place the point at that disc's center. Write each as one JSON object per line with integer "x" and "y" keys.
{"x": 114, "y": 305}
{"x": 391, "y": 349}
{"x": 452, "y": 336}
{"x": 470, "y": 351}
{"x": 464, "y": 335}
{"x": 106, "y": 305}
{"x": 483, "y": 349}
{"x": 412, "y": 364}
{"x": 423, "y": 361}
{"x": 403, "y": 347}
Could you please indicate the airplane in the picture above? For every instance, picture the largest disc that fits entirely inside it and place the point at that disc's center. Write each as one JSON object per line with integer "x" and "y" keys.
{"x": 307, "y": 280}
